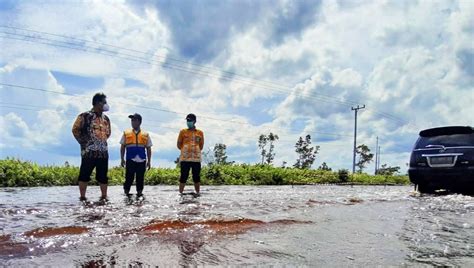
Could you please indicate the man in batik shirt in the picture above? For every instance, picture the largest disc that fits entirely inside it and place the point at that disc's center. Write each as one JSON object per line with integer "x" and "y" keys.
{"x": 91, "y": 130}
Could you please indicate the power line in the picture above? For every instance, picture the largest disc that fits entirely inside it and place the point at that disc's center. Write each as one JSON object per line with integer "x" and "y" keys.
{"x": 232, "y": 74}
{"x": 141, "y": 52}
{"x": 276, "y": 87}
{"x": 165, "y": 64}
{"x": 317, "y": 97}
{"x": 158, "y": 109}
{"x": 72, "y": 116}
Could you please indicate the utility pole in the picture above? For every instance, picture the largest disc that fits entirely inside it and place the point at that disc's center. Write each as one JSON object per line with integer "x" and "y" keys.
{"x": 376, "y": 155}
{"x": 356, "y": 109}
{"x": 378, "y": 161}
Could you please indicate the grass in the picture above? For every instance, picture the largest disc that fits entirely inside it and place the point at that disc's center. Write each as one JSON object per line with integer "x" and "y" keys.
{"x": 18, "y": 173}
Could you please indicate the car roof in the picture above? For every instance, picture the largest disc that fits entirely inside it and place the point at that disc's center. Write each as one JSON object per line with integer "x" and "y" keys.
{"x": 431, "y": 132}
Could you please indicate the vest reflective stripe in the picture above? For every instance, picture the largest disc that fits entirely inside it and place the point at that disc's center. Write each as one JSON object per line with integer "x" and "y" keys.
{"x": 135, "y": 143}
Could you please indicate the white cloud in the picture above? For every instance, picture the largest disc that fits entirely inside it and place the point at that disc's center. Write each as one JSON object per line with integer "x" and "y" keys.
{"x": 406, "y": 59}
{"x": 86, "y": 21}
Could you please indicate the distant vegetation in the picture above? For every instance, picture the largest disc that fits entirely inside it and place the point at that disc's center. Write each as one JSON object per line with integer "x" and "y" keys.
{"x": 17, "y": 173}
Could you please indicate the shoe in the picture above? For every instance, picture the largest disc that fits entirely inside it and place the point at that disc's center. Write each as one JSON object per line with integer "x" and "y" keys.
{"x": 104, "y": 199}
{"x": 140, "y": 196}
{"x": 83, "y": 199}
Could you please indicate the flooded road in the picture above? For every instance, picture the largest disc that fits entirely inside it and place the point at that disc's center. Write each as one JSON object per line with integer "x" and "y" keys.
{"x": 237, "y": 225}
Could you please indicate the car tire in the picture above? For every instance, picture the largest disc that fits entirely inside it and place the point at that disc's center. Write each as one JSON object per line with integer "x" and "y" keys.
{"x": 425, "y": 188}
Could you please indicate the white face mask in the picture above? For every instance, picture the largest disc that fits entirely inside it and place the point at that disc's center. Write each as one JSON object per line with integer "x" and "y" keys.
{"x": 106, "y": 107}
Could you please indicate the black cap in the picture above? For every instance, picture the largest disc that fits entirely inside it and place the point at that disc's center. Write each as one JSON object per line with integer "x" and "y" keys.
{"x": 191, "y": 117}
{"x": 136, "y": 116}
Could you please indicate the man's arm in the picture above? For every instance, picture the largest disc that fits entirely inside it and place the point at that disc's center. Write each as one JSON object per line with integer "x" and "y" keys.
{"x": 148, "y": 155}
{"x": 122, "y": 150}
{"x": 180, "y": 140}
{"x": 122, "y": 154}
{"x": 77, "y": 129}
{"x": 149, "y": 143}
{"x": 201, "y": 143}
{"x": 110, "y": 128}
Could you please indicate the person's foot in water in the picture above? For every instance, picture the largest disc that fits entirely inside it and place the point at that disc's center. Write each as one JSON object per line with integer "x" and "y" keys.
{"x": 83, "y": 199}
{"x": 129, "y": 195}
{"x": 103, "y": 199}
{"x": 140, "y": 196}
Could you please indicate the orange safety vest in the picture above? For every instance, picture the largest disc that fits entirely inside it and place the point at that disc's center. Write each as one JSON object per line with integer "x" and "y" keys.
{"x": 135, "y": 143}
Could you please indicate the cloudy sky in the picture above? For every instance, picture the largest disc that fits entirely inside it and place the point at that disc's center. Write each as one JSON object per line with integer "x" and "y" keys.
{"x": 245, "y": 68}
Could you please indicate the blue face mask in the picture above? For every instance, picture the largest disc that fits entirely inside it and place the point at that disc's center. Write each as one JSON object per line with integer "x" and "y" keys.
{"x": 190, "y": 124}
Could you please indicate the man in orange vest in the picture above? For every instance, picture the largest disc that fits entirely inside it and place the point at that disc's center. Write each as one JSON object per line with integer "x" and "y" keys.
{"x": 190, "y": 143}
{"x": 135, "y": 142}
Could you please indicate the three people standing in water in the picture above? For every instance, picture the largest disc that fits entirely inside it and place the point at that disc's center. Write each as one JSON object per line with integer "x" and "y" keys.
{"x": 92, "y": 129}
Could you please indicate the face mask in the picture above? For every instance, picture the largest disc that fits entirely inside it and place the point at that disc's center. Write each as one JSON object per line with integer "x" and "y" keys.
{"x": 190, "y": 124}
{"x": 105, "y": 108}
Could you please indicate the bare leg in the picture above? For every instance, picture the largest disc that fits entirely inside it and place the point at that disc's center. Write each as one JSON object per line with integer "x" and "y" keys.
{"x": 181, "y": 187}
{"x": 103, "y": 189}
{"x": 197, "y": 187}
{"x": 82, "y": 189}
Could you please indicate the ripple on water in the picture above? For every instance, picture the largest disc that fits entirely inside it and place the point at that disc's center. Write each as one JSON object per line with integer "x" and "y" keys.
{"x": 437, "y": 231}
{"x": 222, "y": 226}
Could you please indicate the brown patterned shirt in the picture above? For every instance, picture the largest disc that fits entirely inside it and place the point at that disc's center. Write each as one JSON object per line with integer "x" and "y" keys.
{"x": 190, "y": 142}
{"x": 91, "y": 132}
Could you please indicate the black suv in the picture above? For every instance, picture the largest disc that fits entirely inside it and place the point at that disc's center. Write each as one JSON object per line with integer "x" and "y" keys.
{"x": 443, "y": 158}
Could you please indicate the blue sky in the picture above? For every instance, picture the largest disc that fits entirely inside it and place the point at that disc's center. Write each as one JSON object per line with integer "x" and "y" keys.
{"x": 244, "y": 67}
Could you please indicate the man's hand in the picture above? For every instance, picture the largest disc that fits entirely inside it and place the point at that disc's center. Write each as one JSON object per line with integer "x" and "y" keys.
{"x": 122, "y": 163}
{"x": 148, "y": 165}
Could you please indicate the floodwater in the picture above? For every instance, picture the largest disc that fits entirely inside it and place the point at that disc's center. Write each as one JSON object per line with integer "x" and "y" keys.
{"x": 237, "y": 225}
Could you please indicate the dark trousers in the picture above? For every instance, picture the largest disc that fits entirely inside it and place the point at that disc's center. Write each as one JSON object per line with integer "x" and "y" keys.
{"x": 133, "y": 169}
{"x": 101, "y": 166}
{"x": 196, "y": 169}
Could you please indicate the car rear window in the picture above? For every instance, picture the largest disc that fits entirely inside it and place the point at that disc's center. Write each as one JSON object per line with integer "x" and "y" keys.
{"x": 447, "y": 140}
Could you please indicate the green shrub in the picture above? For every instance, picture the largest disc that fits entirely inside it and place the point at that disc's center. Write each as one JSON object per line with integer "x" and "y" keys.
{"x": 17, "y": 173}
{"x": 343, "y": 175}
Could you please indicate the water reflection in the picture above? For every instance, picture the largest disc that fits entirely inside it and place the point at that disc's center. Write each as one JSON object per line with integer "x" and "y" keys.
{"x": 438, "y": 230}
{"x": 188, "y": 247}
{"x": 294, "y": 226}
{"x": 99, "y": 261}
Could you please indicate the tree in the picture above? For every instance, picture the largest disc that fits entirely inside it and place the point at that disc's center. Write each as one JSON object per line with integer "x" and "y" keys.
{"x": 220, "y": 154}
{"x": 364, "y": 156}
{"x": 386, "y": 170}
{"x": 325, "y": 167}
{"x": 208, "y": 157}
{"x": 271, "y": 155}
{"x": 263, "y": 141}
{"x": 306, "y": 154}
